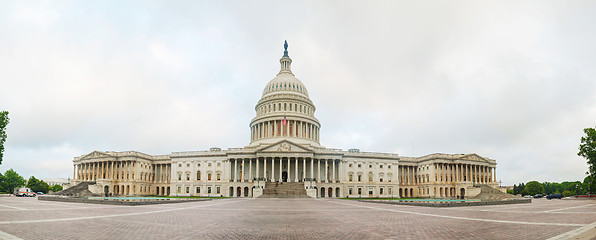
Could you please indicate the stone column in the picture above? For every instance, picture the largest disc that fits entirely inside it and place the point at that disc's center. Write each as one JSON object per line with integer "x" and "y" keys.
{"x": 243, "y": 172}
{"x": 288, "y": 171}
{"x": 319, "y": 170}
{"x": 257, "y": 171}
{"x": 280, "y": 168}
{"x": 334, "y": 179}
{"x": 273, "y": 169}
{"x": 250, "y": 170}
{"x": 303, "y": 169}
{"x": 265, "y": 168}
{"x": 296, "y": 167}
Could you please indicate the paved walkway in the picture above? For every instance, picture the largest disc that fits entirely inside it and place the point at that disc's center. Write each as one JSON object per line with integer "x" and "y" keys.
{"x": 27, "y": 218}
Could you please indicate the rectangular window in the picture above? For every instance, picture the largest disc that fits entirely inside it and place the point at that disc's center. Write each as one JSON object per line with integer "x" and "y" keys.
{"x": 209, "y": 190}
{"x": 179, "y": 177}
{"x": 198, "y": 190}
{"x": 218, "y": 177}
{"x": 359, "y": 191}
{"x": 389, "y": 191}
{"x": 380, "y": 166}
{"x": 218, "y": 190}
{"x": 187, "y": 177}
{"x": 187, "y": 189}
{"x": 359, "y": 165}
{"x": 219, "y": 164}
{"x": 350, "y": 177}
{"x": 349, "y": 191}
{"x": 381, "y": 191}
{"x": 179, "y": 189}
{"x": 209, "y": 176}
{"x": 350, "y": 165}
{"x": 208, "y": 164}
{"x": 389, "y": 166}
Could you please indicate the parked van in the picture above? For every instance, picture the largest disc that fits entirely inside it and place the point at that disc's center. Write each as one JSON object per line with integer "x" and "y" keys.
{"x": 24, "y": 192}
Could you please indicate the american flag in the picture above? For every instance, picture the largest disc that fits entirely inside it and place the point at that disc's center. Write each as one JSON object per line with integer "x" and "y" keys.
{"x": 283, "y": 122}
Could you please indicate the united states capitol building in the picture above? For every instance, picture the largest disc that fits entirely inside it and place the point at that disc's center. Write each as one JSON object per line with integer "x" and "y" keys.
{"x": 284, "y": 149}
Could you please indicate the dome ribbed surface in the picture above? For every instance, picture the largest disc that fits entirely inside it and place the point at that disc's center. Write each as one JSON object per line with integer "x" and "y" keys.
{"x": 285, "y": 82}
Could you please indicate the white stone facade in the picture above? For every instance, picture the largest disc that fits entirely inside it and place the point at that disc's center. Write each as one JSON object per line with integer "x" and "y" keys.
{"x": 284, "y": 146}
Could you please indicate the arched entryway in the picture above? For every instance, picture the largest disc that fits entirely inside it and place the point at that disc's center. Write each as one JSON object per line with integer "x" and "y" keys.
{"x": 337, "y": 192}
{"x": 157, "y": 191}
{"x": 238, "y": 192}
{"x": 162, "y": 191}
{"x": 330, "y": 192}
{"x": 401, "y": 192}
{"x": 245, "y": 191}
{"x": 106, "y": 190}
{"x": 127, "y": 189}
{"x": 462, "y": 193}
{"x": 322, "y": 192}
{"x": 168, "y": 191}
{"x": 411, "y": 192}
{"x": 231, "y": 192}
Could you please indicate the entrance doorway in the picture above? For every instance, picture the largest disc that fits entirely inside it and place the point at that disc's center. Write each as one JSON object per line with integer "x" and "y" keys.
{"x": 463, "y": 193}
{"x": 106, "y": 190}
{"x": 238, "y": 192}
{"x": 284, "y": 176}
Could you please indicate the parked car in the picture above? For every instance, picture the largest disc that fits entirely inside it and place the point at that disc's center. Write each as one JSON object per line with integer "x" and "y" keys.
{"x": 528, "y": 196}
{"x": 538, "y": 195}
{"x": 39, "y": 193}
{"x": 554, "y": 195}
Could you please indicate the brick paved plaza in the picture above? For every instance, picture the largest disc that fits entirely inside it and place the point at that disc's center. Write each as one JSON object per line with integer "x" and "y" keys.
{"x": 28, "y": 218}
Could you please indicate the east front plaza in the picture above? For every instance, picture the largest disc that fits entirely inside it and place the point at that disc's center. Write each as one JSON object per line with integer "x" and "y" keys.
{"x": 305, "y": 218}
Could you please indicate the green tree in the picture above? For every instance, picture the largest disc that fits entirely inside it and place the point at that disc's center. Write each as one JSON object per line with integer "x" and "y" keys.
{"x": 587, "y": 149}
{"x": 567, "y": 193}
{"x": 37, "y": 185}
{"x": 56, "y": 188}
{"x": 534, "y": 187}
{"x": 12, "y": 180}
{"x": 3, "y": 122}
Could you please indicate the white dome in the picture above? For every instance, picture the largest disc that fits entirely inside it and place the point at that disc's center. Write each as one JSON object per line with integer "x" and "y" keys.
{"x": 285, "y": 82}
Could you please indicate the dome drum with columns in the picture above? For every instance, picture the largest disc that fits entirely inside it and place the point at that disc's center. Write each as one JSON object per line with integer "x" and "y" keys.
{"x": 284, "y": 151}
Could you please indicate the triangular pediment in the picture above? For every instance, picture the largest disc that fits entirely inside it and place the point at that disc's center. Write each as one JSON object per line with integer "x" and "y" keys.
{"x": 285, "y": 146}
{"x": 474, "y": 157}
{"x": 96, "y": 154}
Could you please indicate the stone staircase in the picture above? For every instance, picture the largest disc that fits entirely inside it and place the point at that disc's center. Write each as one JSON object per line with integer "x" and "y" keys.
{"x": 488, "y": 193}
{"x": 79, "y": 190}
{"x": 284, "y": 190}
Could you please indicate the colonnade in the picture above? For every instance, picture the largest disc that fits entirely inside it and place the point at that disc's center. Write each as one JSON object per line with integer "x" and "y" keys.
{"x": 292, "y": 128}
{"x": 121, "y": 170}
{"x": 460, "y": 172}
{"x": 448, "y": 173}
{"x": 290, "y": 169}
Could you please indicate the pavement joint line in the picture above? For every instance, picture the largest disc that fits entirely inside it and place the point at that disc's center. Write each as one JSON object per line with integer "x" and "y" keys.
{"x": 17, "y": 208}
{"x": 575, "y": 232}
{"x": 466, "y": 218}
{"x": 559, "y": 209}
{"x": 113, "y": 215}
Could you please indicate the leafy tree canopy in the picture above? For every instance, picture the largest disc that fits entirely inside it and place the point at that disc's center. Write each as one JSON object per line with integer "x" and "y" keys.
{"x": 534, "y": 187}
{"x": 587, "y": 149}
{"x": 37, "y": 185}
{"x": 12, "y": 180}
{"x": 3, "y": 122}
{"x": 56, "y": 188}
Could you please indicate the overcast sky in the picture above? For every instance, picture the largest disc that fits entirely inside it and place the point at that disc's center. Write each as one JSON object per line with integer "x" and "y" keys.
{"x": 511, "y": 81}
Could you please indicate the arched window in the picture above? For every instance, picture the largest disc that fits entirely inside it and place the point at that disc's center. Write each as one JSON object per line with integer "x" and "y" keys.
{"x": 359, "y": 177}
{"x": 381, "y": 177}
{"x": 199, "y": 175}
{"x": 209, "y": 176}
{"x": 187, "y": 176}
{"x": 350, "y": 176}
{"x": 370, "y": 176}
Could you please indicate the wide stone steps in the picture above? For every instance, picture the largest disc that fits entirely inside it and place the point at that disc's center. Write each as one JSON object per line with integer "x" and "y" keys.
{"x": 284, "y": 190}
